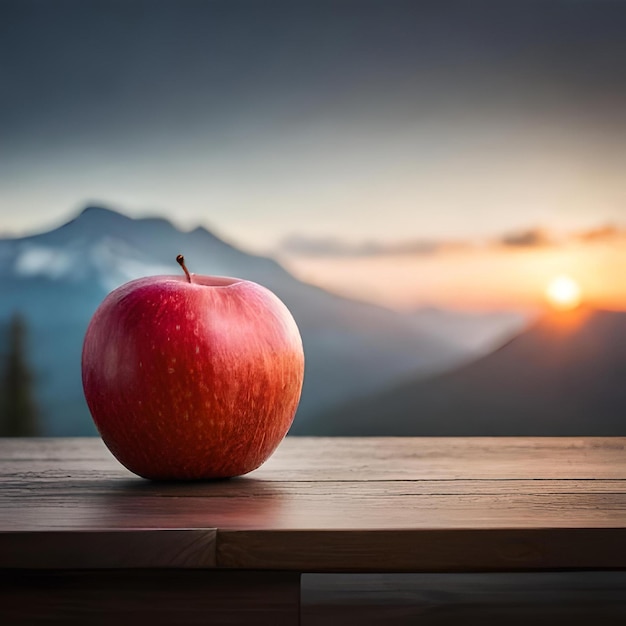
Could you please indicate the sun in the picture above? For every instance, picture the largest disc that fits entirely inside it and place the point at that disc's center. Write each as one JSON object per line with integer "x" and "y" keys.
{"x": 564, "y": 293}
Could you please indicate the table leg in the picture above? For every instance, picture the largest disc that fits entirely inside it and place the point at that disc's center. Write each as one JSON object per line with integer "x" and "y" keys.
{"x": 154, "y": 597}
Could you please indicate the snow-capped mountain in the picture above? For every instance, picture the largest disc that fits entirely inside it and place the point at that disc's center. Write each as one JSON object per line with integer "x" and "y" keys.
{"x": 57, "y": 279}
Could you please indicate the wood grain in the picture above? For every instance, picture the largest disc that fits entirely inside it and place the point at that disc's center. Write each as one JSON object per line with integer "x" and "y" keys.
{"x": 355, "y": 512}
{"x": 155, "y": 597}
{"x": 541, "y": 599}
{"x": 369, "y": 458}
{"x": 429, "y": 550}
{"x": 108, "y": 549}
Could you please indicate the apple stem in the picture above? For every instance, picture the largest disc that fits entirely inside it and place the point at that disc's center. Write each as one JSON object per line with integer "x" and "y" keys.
{"x": 180, "y": 259}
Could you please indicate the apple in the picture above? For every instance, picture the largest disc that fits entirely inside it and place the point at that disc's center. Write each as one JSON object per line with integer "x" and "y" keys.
{"x": 192, "y": 377}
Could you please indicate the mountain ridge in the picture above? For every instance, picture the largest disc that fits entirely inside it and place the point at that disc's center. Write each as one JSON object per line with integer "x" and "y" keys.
{"x": 561, "y": 376}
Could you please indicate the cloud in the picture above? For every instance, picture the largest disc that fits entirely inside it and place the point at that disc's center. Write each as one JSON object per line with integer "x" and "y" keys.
{"x": 301, "y": 245}
{"x": 602, "y": 233}
{"x": 532, "y": 238}
{"x": 335, "y": 247}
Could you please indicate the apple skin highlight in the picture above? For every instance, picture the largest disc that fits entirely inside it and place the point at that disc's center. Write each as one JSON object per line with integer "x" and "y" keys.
{"x": 192, "y": 380}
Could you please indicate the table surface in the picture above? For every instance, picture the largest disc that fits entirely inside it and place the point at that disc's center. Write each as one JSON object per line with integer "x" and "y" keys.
{"x": 324, "y": 505}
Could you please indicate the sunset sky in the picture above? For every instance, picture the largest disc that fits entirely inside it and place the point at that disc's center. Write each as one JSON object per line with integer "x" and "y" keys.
{"x": 448, "y": 153}
{"x": 485, "y": 276}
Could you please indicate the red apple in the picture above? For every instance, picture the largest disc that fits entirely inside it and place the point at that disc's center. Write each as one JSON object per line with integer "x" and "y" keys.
{"x": 192, "y": 377}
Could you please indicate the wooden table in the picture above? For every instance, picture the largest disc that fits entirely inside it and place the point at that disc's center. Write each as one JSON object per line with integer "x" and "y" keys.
{"x": 84, "y": 541}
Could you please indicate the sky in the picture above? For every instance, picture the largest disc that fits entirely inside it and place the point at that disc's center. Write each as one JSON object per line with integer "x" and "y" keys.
{"x": 387, "y": 149}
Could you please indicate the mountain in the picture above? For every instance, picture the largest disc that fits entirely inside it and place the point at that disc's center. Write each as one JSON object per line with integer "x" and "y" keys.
{"x": 57, "y": 279}
{"x": 565, "y": 375}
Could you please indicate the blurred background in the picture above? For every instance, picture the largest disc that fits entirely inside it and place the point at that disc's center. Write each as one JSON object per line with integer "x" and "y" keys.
{"x": 434, "y": 188}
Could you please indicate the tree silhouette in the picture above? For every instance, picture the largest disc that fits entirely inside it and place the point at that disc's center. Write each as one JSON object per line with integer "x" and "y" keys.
{"x": 18, "y": 411}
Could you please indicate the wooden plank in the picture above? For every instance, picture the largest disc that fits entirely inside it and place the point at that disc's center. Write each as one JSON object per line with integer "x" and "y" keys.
{"x": 155, "y": 597}
{"x": 397, "y": 458}
{"x": 425, "y": 551}
{"x": 331, "y": 512}
{"x": 52, "y": 448}
{"x": 27, "y": 487}
{"x": 375, "y": 458}
{"x": 540, "y": 598}
{"x": 108, "y": 549}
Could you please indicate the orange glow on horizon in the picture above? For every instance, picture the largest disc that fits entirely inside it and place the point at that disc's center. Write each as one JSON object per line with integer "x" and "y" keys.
{"x": 478, "y": 279}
